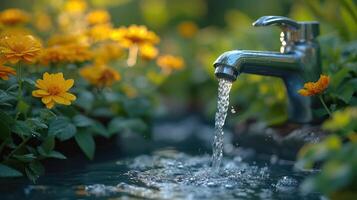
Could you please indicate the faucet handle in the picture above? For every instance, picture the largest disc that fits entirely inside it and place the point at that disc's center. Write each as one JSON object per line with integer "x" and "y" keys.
{"x": 283, "y": 22}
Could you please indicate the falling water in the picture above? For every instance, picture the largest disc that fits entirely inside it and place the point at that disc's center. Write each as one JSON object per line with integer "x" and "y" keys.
{"x": 222, "y": 108}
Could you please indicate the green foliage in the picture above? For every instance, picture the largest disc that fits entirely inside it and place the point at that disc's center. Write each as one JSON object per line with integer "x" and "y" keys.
{"x": 337, "y": 154}
{"x": 6, "y": 171}
{"x": 86, "y": 143}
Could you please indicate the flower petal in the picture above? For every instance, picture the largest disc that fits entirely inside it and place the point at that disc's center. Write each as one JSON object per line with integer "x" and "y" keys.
{"x": 68, "y": 84}
{"x": 61, "y": 100}
{"x": 50, "y": 104}
{"x": 69, "y": 96}
{"x": 41, "y": 84}
{"x": 46, "y": 99}
{"x": 39, "y": 93}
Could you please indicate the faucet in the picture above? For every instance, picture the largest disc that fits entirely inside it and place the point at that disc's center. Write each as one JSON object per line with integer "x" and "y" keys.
{"x": 297, "y": 62}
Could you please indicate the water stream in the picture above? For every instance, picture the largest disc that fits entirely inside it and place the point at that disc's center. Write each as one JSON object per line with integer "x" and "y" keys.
{"x": 224, "y": 87}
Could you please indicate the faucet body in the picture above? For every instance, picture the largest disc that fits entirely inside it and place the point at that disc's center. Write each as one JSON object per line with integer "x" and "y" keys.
{"x": 297, "y": 62}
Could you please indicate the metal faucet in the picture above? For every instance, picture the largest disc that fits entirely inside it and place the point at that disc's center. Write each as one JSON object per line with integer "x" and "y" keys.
{"x": 297, "y": 62}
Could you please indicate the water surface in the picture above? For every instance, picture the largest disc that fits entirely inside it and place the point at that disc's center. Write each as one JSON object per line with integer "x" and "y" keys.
{"x": 166, "y": 168}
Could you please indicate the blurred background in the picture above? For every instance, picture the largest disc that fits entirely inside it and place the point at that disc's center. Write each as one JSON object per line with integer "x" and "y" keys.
{"x": 200, "y": 31}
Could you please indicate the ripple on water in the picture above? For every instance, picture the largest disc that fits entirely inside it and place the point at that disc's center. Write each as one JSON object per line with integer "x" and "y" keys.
{"x": 180, "y": 176}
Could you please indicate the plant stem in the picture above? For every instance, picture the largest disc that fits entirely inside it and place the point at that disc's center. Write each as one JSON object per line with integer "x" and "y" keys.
{"x": 133, "y": 55}
{"x": 19, "y": 80}
{"x": 17, "y": 148}
{"x": 325, "y": 106}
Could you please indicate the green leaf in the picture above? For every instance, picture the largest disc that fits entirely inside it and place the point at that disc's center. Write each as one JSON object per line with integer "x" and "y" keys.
{"x": 21, "y": 128}
{"x": 5, "y": 97}
{"x": 29, "y": 83}
{"x": 7, "y": 119}
{"x": 46, "y": 114}
{"x": 56, "y": 154}
{"x": 345, "y": 93}
{"x": 50, "y": 154}
{"x": 36, "y": 123}
{"x": 5, "y": 122}
{"x": 99, "y": 129}
{"x": 62, "y": 128}
{"x": 25, "y": 158}
{"x": 6, "y": 171}
{"x": 48, "y": 144}
{"x": 85, "y": 100}
{"x": 338, "y": 77}
{"x": 86, "y": 142}
{"x": 82, "y": 121}
{"x": 37, "y": 167}
{"x": 34, "y": 170}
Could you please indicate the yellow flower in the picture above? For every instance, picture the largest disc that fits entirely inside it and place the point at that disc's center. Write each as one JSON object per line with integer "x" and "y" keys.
{"x": 100, "y": 32}
{"x": 15, "y": 30}
{"x": 98, "y": 17}
{"x": 13, "y": 16}
{"x": 100, "y": 75}
{"x": 42, "y": 21}
{"x": 6, "y": 71}
{"x": 66, "y": 39}
{"x": 314, "y": 88}
{"x": 107, "y": 52}
{"x": 134, "y": 35}
{"x": 19, "y": 47}
{"x": 148, "y": 52}
{"x": 340, "y": 119}
{"x": 53, "y": 88}
{"x": 75, "y": 6}
{"x": 70, "y": 53}
{"x": 169, "y": 63}
{"x": 187, "y": 29}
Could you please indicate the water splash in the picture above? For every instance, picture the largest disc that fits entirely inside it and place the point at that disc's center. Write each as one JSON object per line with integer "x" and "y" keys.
{"x": 224, "y": 87}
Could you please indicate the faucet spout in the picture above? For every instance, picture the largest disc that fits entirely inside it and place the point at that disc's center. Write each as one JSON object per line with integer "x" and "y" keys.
{"x": 288, "y": 66}
{"x": 231, "y": 63}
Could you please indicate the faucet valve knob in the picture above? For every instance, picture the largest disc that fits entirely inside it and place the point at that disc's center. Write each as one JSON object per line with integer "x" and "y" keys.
{"x": 293, "y": 32}
{"x": 284, "y": 22}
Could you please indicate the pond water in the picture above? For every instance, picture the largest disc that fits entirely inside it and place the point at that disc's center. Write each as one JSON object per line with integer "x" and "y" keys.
{"x": 175, "y": 164}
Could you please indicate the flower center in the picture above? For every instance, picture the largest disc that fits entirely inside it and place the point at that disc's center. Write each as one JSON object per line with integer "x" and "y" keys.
{"x": 54, "y": 90}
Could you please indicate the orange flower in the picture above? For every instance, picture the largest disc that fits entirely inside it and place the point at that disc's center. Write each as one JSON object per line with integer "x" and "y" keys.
{"x": 148, "y": 52}
{"x": 169, "y": 63}
{"x": 67, "y": 39}
{"x": 100, "y": 32}
{"x": 42, "y": 21}
{"x": 134, "y": 35}
{"x": 53, "y": 88}
{"x": 19, "y": 47}
{"x": 6, "y": 71}
{"x": 314, "y": 88}
{"x": 98, "y": 17}
{"x": 107, "y": 52}
{"x": 70, "y": 53}
{"x": 100, "y": 75}
{"x": 13, "y": 16}
{"x": 187, "y": 29}
{"x": 75, "y": 6}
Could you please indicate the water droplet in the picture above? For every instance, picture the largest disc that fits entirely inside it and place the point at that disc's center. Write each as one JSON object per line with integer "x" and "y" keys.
{"x": 286, "y": 184}
{"x": 228, "y": 186}
{"x": 233, "y": 111}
